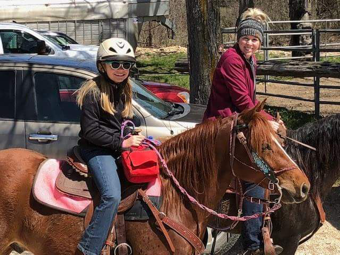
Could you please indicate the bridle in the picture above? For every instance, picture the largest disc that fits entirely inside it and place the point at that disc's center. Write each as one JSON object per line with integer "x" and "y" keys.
{"x": 176, "y": 183}
{"x": 257, "y": 163}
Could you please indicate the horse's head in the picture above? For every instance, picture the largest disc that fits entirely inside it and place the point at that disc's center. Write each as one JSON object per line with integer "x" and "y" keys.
{"x": 262, "y": 159}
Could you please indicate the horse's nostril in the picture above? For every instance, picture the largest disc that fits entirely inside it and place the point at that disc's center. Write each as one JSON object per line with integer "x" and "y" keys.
{"x": 304, "y": 190}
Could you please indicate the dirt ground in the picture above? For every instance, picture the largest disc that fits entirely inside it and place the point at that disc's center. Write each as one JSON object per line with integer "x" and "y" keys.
{"x": 332, "y": 95}
{"x": 327, "y": 240}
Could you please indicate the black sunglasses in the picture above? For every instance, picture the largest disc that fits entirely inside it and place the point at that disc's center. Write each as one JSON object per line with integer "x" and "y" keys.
{"x": 117, "y": 64}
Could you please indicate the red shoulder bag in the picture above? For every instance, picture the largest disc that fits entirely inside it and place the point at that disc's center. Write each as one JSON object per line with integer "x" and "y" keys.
{"x": 140, "y": 164}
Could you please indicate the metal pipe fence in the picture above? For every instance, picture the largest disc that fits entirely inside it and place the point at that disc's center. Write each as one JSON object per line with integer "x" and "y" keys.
{"x": 317, "y": 47}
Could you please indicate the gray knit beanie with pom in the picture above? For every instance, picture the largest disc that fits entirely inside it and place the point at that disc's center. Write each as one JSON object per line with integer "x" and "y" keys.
{"x": 250, "y": 27}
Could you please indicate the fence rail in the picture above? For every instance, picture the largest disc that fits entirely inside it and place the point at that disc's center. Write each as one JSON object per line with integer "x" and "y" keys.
{"x": 316, "y": 48}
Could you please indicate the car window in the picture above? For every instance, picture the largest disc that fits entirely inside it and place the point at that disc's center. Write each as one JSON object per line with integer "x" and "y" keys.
{"x": 153, "y": 104}
{"x": 18, "y": 42}
{"x": 55, "y": 96}
{"x": 7, "y": 94}
{"x": 57, "y": 41}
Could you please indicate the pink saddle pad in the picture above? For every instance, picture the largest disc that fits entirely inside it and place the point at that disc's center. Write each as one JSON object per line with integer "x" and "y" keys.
{"x": 45, "y": 191}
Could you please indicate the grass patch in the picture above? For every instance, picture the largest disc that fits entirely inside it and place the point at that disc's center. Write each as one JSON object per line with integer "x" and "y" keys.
{"x": 160, "y": 63}
{"x": 292, "y": 119}
{"x": 334, "y": 59}
{"x": 181, "y": 80}
{"x": 160, "y": 68}
{"x": 277, "y": 78}
{"x": 260, "y": 56}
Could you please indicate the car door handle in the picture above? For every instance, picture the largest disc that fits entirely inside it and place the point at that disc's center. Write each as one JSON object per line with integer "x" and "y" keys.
{"x": 42, "y": 138}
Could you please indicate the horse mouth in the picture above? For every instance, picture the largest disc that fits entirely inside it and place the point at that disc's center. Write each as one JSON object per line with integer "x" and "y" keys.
{"x": 293, "y": 197}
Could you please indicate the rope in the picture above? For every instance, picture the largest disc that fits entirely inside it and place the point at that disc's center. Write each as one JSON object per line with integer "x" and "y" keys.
{"x": 151, "y": 144}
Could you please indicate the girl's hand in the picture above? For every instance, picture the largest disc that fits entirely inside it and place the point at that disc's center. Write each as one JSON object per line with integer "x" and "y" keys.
{"x": 275, "y": 125}
{"x": 133, "y": 140}
{"x": 279, "y": 127}
{"x": 281, "y": 123}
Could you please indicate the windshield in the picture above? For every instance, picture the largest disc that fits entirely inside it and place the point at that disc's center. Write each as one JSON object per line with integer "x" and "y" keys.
{"x": 146, "y": 99}
{"x": 60, "y": 40}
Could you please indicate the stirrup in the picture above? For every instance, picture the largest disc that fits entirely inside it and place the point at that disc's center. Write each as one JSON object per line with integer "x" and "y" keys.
{"x": 123, "y": 244}
{"x": 278, "y": 249}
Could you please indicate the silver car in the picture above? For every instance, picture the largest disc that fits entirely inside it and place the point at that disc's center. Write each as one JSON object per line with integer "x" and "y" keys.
{"x": 38, "y": 109}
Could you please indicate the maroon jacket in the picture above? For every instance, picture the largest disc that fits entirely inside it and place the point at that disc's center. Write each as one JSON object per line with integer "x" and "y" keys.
{"x": 233, "y": 85}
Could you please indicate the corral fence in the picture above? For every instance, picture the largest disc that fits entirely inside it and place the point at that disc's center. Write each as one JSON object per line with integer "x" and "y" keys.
{"x": 312, "y": 52}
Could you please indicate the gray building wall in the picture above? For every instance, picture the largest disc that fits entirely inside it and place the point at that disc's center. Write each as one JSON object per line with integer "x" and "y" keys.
{"x": 88, "y": 22}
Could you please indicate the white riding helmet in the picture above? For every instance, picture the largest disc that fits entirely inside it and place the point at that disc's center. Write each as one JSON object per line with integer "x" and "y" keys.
{"x": 115, "y": 49}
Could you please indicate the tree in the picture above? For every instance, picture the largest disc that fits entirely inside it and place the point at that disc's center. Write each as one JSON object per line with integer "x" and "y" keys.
{"x": 300, "y": 10}
{"x": 204, "y": 36}
{"x": 244, "y": 5}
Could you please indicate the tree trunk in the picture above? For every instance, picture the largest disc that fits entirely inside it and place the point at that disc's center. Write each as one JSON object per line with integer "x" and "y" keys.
{"x": 204, "y": 36}
{"x": 244, "y": 5}
{"x": 300, "y": 10}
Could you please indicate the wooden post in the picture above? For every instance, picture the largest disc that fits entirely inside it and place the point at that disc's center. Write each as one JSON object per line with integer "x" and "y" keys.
{"x": 317, "y": 96}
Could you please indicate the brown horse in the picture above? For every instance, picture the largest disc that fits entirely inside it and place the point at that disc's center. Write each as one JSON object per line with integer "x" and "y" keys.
{"x": 199, "y": 159}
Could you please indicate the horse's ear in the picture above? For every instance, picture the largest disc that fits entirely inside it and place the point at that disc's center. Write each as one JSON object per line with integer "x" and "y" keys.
{"x": 260, "y": 105}
{"x": 278, "y": 116}
{"x": 247, "y": 115}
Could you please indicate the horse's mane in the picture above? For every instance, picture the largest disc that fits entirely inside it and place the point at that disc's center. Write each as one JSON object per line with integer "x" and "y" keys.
{"x": 324, "y": 136}
{"x": 190, "y": 156}
{"x": 261, "y": 133}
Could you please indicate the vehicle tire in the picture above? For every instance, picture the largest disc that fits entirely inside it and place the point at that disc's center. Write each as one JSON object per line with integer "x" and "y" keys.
{"x": 224, "y": 242}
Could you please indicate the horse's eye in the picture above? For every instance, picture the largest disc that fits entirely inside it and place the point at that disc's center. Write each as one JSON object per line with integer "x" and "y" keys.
{"x": 266, "y": 147}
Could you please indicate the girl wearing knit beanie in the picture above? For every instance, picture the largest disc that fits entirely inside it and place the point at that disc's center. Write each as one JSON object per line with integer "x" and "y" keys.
{"x": 234, "y": 90}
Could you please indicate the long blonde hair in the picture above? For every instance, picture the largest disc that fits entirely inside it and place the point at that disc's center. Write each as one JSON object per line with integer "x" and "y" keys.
{"x": 255, "y": 13}
{"x": 101, "y": 91}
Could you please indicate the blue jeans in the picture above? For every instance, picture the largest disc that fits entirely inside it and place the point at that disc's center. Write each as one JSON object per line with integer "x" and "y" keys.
{"x": 103, "y": 168}
{"x": 251, "y": 229}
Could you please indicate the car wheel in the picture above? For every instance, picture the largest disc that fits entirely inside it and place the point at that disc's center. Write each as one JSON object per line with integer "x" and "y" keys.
{"x": 224, "y": 242}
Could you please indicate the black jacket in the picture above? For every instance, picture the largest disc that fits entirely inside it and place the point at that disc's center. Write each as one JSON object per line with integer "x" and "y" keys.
{"x": 100, "y": 128}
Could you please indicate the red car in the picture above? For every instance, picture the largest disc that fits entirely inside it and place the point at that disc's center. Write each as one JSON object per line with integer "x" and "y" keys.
{"x": 168, "y": 92}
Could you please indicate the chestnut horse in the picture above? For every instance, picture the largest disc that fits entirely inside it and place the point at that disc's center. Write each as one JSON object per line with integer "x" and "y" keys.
{"x": 293, "y": 223}
{"x": 198, "y": 158}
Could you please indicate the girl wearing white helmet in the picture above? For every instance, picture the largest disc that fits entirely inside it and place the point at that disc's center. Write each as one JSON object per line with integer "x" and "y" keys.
{"x": 105, "y": 101}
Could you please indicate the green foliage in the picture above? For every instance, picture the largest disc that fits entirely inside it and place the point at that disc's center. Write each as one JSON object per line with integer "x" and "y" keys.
{"x": 181, "y": 80}
{"x": 292, "y": 119}
{"x": 160, "y": 68}
{"x": 159, "y": 63}
{"x": 334, "y": 59}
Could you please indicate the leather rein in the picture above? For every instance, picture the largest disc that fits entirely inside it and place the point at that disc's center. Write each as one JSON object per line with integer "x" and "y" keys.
{"x": 182, "y": 230}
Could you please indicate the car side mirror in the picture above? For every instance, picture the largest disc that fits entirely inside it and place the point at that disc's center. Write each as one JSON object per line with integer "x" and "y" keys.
{"x": 134, "y": 72}
{"x": 42, "y": 48}
{"x": 65, "y": 47}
